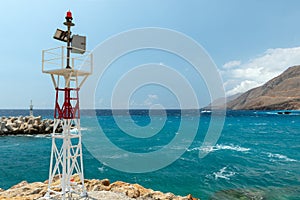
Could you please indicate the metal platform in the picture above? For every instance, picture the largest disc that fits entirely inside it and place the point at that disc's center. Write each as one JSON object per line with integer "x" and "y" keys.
{"x": 67, "y": 72}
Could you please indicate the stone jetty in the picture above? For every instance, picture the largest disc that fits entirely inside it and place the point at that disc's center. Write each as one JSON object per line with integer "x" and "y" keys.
{"x": 26, "y": 125}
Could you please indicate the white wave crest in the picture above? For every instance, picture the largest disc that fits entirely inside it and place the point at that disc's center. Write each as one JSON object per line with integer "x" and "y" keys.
{"x": 223, "y": 173}
{"x": 101, "y": 169}
{"x": 42, "y": 136}
{"x": 281, "y": 157}
{"x": 259, "y": 124}
{"x": 117, "y": 156}
{"x": 8, "y": 146}
{"x": 218, "y": 147}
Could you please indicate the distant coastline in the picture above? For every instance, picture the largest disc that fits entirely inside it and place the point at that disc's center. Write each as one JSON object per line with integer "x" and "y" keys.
{"x": 35, "y": 125}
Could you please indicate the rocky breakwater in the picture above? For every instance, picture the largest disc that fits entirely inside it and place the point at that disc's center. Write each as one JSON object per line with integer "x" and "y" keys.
{"x": 26, "y": 125}
{"x": 97, "y": 189}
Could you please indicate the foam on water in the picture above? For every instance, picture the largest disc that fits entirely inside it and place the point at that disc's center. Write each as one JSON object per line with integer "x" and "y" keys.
{"x": 102, "y": 169}
{"x": 42, "y": 136}
{"x": 223, "y": 173}
{"x": 9, "y": 146}
{"x": 279, "y": 157}
{"x": 218, "y": 147}
{"x": 117, "y": 156}
{"x": 259, "y": 124}
{"x": 84, "y": 129}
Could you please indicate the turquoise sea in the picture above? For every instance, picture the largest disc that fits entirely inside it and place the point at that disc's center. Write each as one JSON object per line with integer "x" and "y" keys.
{"x": 256, "y": 157}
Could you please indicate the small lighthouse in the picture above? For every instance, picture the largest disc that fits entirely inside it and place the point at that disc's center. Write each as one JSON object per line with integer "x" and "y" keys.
{"x": 69, "y": 66}
{"x": 30, "y": 109}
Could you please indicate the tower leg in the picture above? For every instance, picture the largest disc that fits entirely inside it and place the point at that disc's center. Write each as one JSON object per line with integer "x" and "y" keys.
{"x": 66, "y": 162}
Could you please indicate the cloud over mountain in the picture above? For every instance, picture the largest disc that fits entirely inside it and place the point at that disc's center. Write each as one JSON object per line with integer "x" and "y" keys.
{"x": 241, "y": 76}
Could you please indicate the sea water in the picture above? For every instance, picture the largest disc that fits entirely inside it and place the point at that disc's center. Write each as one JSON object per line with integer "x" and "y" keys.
{"x": 257, "y": 155}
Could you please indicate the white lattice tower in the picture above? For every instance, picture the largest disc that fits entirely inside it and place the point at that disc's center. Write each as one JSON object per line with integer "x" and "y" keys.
{"x": 66, "y": 152}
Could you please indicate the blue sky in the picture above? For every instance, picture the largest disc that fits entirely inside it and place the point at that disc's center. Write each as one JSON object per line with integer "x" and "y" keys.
{"x": 250, "y": 41}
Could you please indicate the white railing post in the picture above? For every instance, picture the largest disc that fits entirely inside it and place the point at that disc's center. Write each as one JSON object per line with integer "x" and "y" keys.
{"x": 62, "y": 57}
{"x": 43, "y": 60}
{"x": 73, "y": 63}
{"x": 91, "y": 63}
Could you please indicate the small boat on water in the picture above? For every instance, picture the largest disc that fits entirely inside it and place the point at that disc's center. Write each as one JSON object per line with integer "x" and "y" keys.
{"x": 284, "y": 113}
{"x": 205, "y": 111}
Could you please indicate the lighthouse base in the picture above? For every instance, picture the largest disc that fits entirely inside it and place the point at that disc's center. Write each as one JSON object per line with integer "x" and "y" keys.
{"x": 66, "y": 165}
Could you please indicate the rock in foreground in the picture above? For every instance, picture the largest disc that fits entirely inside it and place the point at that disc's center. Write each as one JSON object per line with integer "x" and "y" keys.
{"x": 97, "y": 189}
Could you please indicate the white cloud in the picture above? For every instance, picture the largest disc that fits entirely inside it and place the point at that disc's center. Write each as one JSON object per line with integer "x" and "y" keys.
{"x": 240, "y": 77}
{"x": 150, "y": 99}
{"x": 231, "y": 64}
{"x": 243, "y": 86}
{"x": 152, "y": 96}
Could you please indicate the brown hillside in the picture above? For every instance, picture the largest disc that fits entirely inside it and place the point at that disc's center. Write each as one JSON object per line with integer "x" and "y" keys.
{"x": 280, "y": 93}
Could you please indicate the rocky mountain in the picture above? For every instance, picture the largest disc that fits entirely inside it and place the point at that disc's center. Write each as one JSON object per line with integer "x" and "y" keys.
{"x": 280, "y": 93}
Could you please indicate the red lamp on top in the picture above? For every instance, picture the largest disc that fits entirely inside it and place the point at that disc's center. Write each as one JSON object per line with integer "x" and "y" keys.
{"x": 69, "y": 15}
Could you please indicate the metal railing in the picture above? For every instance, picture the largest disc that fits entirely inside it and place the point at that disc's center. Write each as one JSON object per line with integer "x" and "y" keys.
{"x": 55, "y": 58}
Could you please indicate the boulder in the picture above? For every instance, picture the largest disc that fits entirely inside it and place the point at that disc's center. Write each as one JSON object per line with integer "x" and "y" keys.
{"x": 105, "y": 182}
{"x": 26, "y": 118}
{"x": 22, "y": 127}
{"x": 9, "y": 127}
{"x": 2, "y": 126}
{"x": 41, "y": 128}
{"x": 18, "y": 123}
{"x": 36, "y": 126}
{"x": 38, "y": 119}
{"x": 8, "y": 121}
{"x": 21, "y": 118}
{"x": 30, "y": 120}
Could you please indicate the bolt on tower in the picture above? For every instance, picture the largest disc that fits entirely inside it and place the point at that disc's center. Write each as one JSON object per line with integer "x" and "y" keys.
{"x": 68, "y": 73}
